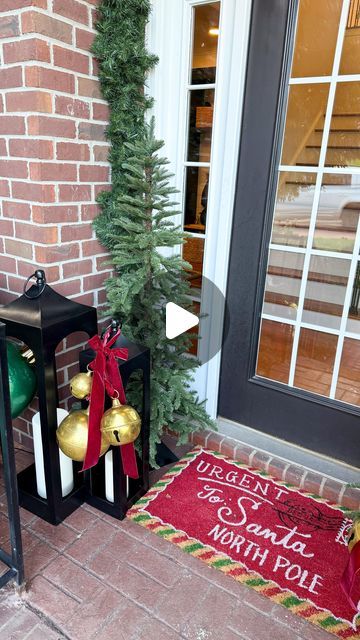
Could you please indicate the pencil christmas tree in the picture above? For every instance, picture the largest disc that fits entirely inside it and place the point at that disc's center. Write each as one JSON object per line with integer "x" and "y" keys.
{"x": 149, "y": 271}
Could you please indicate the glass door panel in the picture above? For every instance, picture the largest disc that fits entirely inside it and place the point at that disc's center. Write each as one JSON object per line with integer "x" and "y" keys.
{"x": 305, "y": 115}
{"x": 325, "y": 291}
{"x": 311, "y": 58}
{"x": 200, "y": 125}
{"x": 315, "y": 361}
{"x": 201, "y": 89}
{"x": 338, "y": 213}
{"x": 275, "y": 349}
{"x": 283, "y": 280}
{"x": 350, "y": 58}
{"x": 196, "y": 195}
{"x": 310, "y": 328}
{"x": 343, "y": 149}
{"x": 206, "y": 21}
{"x": 348, "y": 385}
{"x": 293, "y": 208}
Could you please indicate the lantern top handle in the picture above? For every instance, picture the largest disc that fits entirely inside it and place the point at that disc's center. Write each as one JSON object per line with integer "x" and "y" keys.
{"x": 40, "y": 284}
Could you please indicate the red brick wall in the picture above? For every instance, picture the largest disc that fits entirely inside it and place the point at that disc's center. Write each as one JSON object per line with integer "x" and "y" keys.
{"x": 52, "y": 154}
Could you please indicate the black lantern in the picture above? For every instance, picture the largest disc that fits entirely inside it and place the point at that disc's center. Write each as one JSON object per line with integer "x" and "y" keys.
{"x": 108, "y": 488}
{"x": 42, "y": 318}
{"x": 13, "y": 559}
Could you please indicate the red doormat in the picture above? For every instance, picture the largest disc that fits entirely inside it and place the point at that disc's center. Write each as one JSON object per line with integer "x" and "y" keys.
{"x": 288, "y": 545}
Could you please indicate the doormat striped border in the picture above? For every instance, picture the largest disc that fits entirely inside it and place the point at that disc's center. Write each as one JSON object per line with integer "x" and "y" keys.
{"x": 222, "y": 562}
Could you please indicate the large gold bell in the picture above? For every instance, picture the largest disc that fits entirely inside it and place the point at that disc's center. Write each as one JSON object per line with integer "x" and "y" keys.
{"x": 72, "y": 435}
{"x": 80, "y": 385}
{"x": 354, "y": 534}
{"x": 121, "y": 424}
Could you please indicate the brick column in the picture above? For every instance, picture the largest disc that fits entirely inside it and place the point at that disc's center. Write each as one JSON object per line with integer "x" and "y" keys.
{"x": 53, "y": 153}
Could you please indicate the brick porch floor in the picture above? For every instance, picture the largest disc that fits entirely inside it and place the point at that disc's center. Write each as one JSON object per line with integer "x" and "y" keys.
{"x": 96, "y": 578}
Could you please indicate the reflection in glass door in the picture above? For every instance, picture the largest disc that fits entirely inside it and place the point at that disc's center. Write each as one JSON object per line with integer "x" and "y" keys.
{"x": 310, "y": 326}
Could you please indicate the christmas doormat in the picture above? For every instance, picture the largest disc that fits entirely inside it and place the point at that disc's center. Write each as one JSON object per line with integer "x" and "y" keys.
{"x": 288, "y": 545}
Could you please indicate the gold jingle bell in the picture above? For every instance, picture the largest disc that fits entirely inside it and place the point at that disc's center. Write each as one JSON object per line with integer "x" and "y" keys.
{"x": 121, "y": 424}
{"x": 72, "y": 435}
{"x": 354, "y": 534}
{"x": 80, "y": 385}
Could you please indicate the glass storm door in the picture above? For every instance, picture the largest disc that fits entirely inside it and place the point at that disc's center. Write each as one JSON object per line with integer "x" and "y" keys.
{"x": 298, "y": 218}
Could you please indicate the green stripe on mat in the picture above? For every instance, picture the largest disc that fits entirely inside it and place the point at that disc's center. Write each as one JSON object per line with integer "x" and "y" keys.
{"x": 193, "y": 547}
{"x": 141, "y": 517}
{"x": 330, "y": 622}
{"x": 165, "y": 532}
{"x": 222, "y": 562}
{"x": 292, "y": 601}
{"x": 256, "y": 582}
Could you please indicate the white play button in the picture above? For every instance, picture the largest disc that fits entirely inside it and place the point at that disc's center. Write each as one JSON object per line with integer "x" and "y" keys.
{"x": 178, "y": 320}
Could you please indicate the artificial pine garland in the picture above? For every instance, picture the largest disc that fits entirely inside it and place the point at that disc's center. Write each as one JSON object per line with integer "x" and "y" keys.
{"x": 124, "y": 66}
{"x": 135, "y": 224}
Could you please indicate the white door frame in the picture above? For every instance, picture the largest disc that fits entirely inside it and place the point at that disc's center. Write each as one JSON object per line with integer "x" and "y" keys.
{"x": 169, "y": 36}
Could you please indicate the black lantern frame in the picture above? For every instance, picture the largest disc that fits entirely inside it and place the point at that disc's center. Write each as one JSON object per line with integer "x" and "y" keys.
{"x": 124, "y": 497}
{"x": 42, "y": 318}
{"x": 14, "y": 559}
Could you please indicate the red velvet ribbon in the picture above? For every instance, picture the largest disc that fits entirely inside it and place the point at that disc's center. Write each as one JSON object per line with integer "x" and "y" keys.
{"x": 351, "y": 574}
{"x": 106, "y": 376}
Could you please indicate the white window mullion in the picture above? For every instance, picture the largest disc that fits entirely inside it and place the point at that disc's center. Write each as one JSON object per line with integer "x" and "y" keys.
{"x": 353, "y": 336}
{"x": 285, "y": 247}
{"x": 353, "y": 77}
{"x": 269, "y": 316}
{"x": 308, "y": 169}
{"x": 319, "y": 177}
{"x": 199, "y": 87}
{"x": 190, "y": 163}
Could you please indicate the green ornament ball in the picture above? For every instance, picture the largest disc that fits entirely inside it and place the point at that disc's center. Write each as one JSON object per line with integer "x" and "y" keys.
{"x": 22, "y": 380}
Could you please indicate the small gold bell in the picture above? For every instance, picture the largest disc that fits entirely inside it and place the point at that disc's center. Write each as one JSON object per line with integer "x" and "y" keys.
{"x": 80, "y": 385}
{"x": 354, "y": 534}
{"x": 121, "y": 424}
{"x": 72, "y": 435}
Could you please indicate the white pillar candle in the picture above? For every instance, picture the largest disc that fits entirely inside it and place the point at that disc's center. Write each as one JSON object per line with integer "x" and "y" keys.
{"x": 66, "y": 465}
{"x": 109, "y": 478}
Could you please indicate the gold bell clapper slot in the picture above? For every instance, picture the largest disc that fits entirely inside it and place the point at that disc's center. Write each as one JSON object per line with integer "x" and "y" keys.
{"x": 66, "y": 466}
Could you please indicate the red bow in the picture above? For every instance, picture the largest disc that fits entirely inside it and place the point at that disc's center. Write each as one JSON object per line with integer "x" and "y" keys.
{"x": 106, "y": 375}
{"x": 350, "y": 575}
